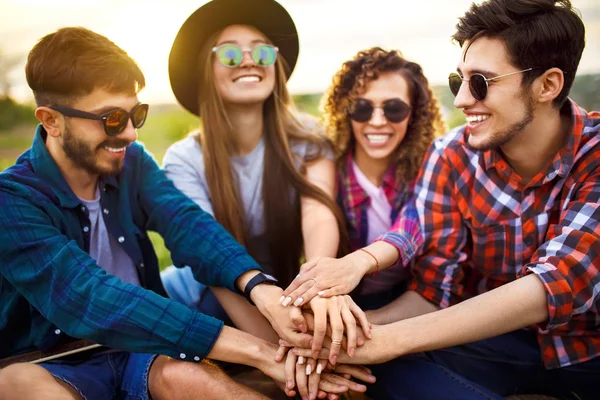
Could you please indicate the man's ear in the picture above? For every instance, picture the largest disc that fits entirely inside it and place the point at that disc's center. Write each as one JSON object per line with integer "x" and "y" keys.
{"x": 550, "y": 84}
{"x": 52, "y": 121}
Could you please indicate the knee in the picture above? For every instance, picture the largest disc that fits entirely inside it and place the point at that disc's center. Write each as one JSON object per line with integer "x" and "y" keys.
{"x": 19, "y": 378}
{"x": 168, "y": 378}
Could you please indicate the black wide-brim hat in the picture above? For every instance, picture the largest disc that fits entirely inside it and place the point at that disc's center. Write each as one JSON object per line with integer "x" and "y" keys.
{"x": 267, "y": 16}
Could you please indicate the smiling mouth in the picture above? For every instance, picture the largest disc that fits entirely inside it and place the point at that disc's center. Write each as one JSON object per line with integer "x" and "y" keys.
{"x": 248, "y": 79}
{"x": 115, "y": 149}
{"x": 476, "y": 118}
{"x": 378, "y": 139}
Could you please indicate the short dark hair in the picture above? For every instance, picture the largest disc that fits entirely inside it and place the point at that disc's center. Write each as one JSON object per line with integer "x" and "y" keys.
{"x": 537, "y": 33}
{"x": 75, "y": 61}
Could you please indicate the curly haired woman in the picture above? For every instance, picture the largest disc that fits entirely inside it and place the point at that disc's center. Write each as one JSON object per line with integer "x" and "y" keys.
{"x": 381, "y": 116}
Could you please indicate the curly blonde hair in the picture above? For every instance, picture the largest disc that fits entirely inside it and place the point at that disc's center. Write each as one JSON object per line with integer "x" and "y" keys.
{"x": 425, "y": 121}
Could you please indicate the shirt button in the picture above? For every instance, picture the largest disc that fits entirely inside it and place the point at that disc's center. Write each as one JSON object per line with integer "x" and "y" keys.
{"x": 528, "y": 241}
{"x": 83, "y": 208}
{"x": 196, "y": 358}
{"x": 142, "y": 265}
{"x": 105, "y": 211}
{"x": 86, "y": 229}
{"x": 121, "y": 239}
{"x": 182, "y": 356}
{"x": 57, "y": 332}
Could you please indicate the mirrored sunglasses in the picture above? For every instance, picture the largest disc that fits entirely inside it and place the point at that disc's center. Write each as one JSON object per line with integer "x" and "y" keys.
{"x": 394, "y": 110}
{"x": 231, "y": 55}
{"x": 114, "y": 121}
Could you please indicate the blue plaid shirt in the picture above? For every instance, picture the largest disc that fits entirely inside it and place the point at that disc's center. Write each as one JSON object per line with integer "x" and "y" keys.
{"x": 51, "y": 289}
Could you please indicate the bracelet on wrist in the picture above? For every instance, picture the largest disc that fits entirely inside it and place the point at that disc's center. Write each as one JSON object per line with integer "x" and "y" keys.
{"x": 374, "y": 258}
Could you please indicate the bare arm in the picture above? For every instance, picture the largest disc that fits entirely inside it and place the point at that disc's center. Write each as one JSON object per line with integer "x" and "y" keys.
{"x": 319, "y": 226}
{"x": 245, "y": 316}
{"x": 409, "y": 305}
{"x": 515, "y": 305}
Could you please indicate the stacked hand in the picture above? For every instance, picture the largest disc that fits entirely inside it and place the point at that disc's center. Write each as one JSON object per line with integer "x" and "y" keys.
{"x": 339, "y": 319}
{"x": 326, "y": 277}
{"x": 326, "y": 318}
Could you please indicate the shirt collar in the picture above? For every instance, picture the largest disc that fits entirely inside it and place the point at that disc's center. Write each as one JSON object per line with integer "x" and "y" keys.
{"x": 563, "y": 160}
{"x": 47, "y": 170}
{"x": 390, "y": 184}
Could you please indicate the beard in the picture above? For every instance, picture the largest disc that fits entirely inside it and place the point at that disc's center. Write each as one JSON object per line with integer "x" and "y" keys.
{"x": 500, "y": 138}
{"x": 83, "y": 155}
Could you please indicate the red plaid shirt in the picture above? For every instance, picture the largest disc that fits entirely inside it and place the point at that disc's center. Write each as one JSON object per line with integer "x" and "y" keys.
{"x": 479, "y": 220}
{"x": 404, "y": 234}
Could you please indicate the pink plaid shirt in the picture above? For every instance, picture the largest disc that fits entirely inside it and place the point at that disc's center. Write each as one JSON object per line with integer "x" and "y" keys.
{"x": 404, "y": 233}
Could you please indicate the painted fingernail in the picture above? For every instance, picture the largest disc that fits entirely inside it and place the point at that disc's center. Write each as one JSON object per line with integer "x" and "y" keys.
{"x": 287, "y": 301}
{"x": 300, "y": 360}
{"x": 321, "y": 293}
{"x": 308, "y": 369}
{"x": 281, "y": 299}
{"x": 319, "y": 368}
{"x": 298, "y": 301}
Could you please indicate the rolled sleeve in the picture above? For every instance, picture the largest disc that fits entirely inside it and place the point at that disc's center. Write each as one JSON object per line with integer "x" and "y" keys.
{"x": 405, "y": 235}
{"x": 568, "y": 262}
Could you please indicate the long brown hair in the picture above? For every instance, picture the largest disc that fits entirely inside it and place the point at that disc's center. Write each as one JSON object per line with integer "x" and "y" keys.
{"x": 425, "y": 121}
{"x": 282, "y": 218}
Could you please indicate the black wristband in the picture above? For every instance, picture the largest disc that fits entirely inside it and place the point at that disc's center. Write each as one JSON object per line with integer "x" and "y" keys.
{"x": 257, "y": 280}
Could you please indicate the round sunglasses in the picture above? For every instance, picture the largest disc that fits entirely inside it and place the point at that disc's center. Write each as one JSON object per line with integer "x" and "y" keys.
{"x": 394, "y": 110}
{"x": 231, "y": 55}
{"x": 478, "y": 84}
{"x": 114, "y": 121}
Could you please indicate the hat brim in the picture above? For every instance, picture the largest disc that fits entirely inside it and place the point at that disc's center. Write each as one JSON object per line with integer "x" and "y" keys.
{"x": 268, "y": 16}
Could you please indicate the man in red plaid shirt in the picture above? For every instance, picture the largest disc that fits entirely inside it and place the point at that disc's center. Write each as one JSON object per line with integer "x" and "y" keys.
{"x": 508, "y": 284}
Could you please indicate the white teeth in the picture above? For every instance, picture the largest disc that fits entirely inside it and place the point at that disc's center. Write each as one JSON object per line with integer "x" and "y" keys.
{"x": 477, "y": 118}
{"x": 251, "y": 78}
{"x": 378, "y": 139}
{"x": 115, "y": 150}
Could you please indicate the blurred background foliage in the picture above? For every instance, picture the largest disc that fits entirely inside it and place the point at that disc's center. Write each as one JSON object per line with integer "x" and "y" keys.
{"x": 168, "y": 123}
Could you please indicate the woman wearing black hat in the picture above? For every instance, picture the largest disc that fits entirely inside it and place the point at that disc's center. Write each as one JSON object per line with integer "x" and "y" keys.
{"x": 256, "y": 165}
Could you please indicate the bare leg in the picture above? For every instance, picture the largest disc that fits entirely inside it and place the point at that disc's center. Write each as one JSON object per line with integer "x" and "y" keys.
{"x": 172, "y": 379}
{"x": 245, "y": 316}
{"x": 30, "y": 381}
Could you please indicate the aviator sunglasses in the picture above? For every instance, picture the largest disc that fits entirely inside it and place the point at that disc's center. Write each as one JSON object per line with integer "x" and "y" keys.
{"x": 231, "y": 55}
{"x": 114, "y": 121}
{"x": 478, "y": 84}
{"x": 395, "y": 110}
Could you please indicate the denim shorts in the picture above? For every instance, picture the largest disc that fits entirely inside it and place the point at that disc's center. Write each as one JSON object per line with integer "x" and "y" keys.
{"x": 106, "y": 375}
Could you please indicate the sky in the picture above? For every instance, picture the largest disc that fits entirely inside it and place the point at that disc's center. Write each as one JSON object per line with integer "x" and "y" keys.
{"x": 330, "y": 32}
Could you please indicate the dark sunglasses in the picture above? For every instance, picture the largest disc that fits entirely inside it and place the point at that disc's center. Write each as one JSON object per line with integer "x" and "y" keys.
{"x": 231, "y": 55}
{"x": 395, "y": 110}
{"x": 114, "y": 121}
{"x": 478, "y": 84}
